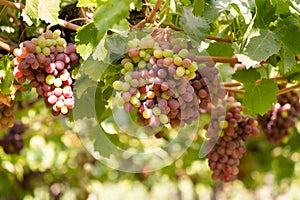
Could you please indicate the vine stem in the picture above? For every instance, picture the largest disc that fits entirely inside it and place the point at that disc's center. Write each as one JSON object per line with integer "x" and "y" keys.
{"x": 151, "y": 17}
{"x": 21, "y": 6}
{"x": 218, "y": 39}
{"x": 205, "y": 59}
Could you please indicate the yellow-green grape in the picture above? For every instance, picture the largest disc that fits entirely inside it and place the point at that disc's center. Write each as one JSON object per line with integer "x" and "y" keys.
{"x": 142, "y": 64}
{"x": 61, "y": 41}
{"x": 136, "y": 59}
{"x": 128, "y": 66}
{"x": 156, "y": 111}
{"x": 41, "y": 41}
{"x": 147, "y": 57}
{"x": 223, "y": 124}
{"x": 143, "y": 97}
{"x": 183, "y": 53}
{"x": 177, "y": 60}
{"x": 127, "y": 77}
{"x": 134, "y": 101}
{"x": 64, "y": 110}
{"x": 48, "y": 42}
{"x": 158, "y": 53}
{"x": 50, "y": 79}
{"x": 193, "y": 67}
{"x": 123, "y": 71}
{"x": 117, "y": 85}
{"x": 133, "y": 43}
{"x": 165, "y": 96}
{"x": 60, "y": 49}
{"x": 147, "y": 113}
{"x": 46, "y": 51}
{"x": 192, "y": 75}
{"x": 187, "y": 72}
{"x": 38, "y": 50}
{"x": 167, "y": 53}
{"x": 56, "y": 34}
{"x": 142, "y": 54}
{"x": 180, "y": 71}
{"x": 163, "y": 118}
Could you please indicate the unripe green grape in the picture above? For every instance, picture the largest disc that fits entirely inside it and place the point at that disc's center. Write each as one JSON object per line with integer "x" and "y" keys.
{"x": 147, "y": 57}
{"x": 38, "y": 50}
{"x": 168, "y": 53}
{"x": 183, "y": 53}
{"x": 142, "y": 64}
{"x": 133, "y": 43}
{"x": 193, "y": 67}
{"x": 156, "y": 111}
{"x": 187, "y": 72}
{"x": 128, "y": 66}
{"x": 158, "y": 53}
{"x": 163, "y": 119}
{"x": 127, "y": 77}
{"x": 223, "y": 124}
{"x": 143, "y": 97}
{"x": 180, "y": 71}
{"x": 61, "y": 41}
{"x": 46, "y": 51}
{"x": 284, "y": 114}
{"x": 60, "y": 49}
{"x": 125, "y": 87}
{"x": 192, "y": 75}
{"x": 48, "y": 42}
{"x": 134, "y": 101}
{"x": 56, "y": 34}
{"x": 142, "y": 54}
{"x": 177, "y": 60}
{"x": 136, "y": 59}
{"x": 53, "y": 42}
{"x": 147, "y": 113}
{"x": 147, "y": 43}
{"x": 165, "y": 96}
{"x": 41, "y": 41}
{"x": 117, "y": 85}
{"x": 50, "y": 79}
{"x": 123, "y": 71}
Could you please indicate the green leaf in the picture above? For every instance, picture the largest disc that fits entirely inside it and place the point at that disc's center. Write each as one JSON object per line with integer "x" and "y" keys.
{"x": 110, "y": 14}
{"x": 220, "y": 49}
{"x": 43, "y": 9}
{"x": 261, "y": 47}
{"x": 287, "y": 59}
{"x": 6, "y": 75}
{"x": 282, "y": 7}
{"x": 93, "y": 68}
{"x": 117, "y": 46}
{"x": 198, "y": 7}
{"x": 87, "y": 39}
{"x": 101, "y": 52}
{"x": 259, "y": 97}
{"x": 195, "y": 27}
{"x": 265, "y": 14}
{"x": 247, "y": 77}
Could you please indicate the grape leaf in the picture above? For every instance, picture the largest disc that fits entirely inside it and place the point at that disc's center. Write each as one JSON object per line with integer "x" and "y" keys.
{"x": 6, "y": 75}
{"x": 43, "y": 9}
{"x": 220, "y": 49}
{"x": 287, "y": 59}
{"x": 259, "y": 97}
{"x": 195, "y": 27}
{"x": 110, "y": 14}
{"x": 247, "y": 77}
{"x": 198, "y": 7}
{"x": 87, "y": 39}
{"x": 265, "y": 14}
{"x": 101, "y": 53}
{"x": 261, "y": 47}
{"x": 93, "y": 68}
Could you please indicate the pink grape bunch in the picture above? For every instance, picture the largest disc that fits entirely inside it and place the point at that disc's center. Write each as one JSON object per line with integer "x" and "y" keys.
{"x": 156, "y": 82}
{"x": 12, "y": 142}
{"x": 276, "y": 123}
{"x": 227, "y": 148}
{"x": 46, "y": 62}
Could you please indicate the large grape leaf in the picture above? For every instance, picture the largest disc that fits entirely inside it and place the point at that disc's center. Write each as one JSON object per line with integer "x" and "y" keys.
{"x": 87, "y": 39}
{"x": 6, "y": 75}
{"x": 198, "y": 7}
{"x": 220, "y": 49}
{"x": 43, "y": 9}
{"x": 247, "y": 77}
{"x": 287, "y": 59}
{"x": 265, "y": 13}
{"x": 195, "y": 27}
{"x": 261, "y": 47}
{"x": 93, "y": 68}
{"x": 259, "y": 97}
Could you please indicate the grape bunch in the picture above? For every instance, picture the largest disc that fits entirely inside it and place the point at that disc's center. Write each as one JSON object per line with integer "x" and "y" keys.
{"x": 6, "y": 116}
{"x": 12, "y": 142}
{"x": 157, "y": 79}
{"x": 276, "y": 122}
{"x": 46, "y": 62}
{"x": 224, "y": 157}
